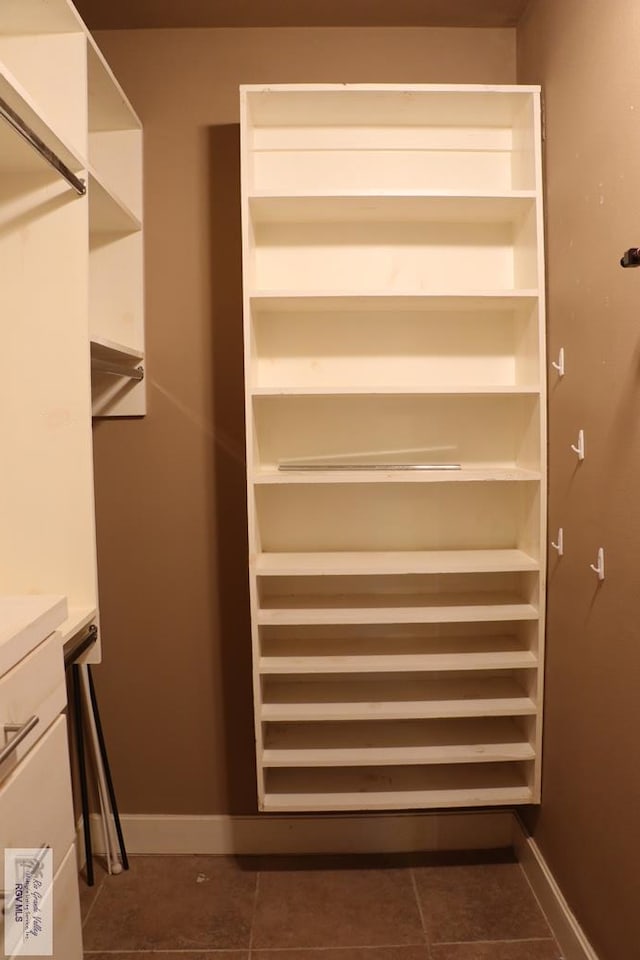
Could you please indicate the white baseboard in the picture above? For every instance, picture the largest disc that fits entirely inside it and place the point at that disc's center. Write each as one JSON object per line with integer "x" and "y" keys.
{"x": 567, "y": 931}
{"x": 269, "y": 834}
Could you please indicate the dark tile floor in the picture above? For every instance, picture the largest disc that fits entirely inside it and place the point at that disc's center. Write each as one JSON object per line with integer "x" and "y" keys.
{"x": 446, "y": 907}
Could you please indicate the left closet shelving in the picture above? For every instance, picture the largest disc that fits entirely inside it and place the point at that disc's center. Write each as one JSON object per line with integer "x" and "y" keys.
{"x": 70, "y": 295}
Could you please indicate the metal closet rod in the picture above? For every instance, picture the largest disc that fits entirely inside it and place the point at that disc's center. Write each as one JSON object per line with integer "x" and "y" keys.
{"x": 18, "y": 124}
{"x": 117, "y": 369}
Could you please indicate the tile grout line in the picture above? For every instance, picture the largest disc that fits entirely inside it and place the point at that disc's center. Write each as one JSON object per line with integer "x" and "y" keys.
{"x": 542, "y": 911}
{"x": 471, "y": 943}
{"x": 335, "y": 949}
{"x": 196, "y": 951}
{"x": 93, "y": 903}
{"x": 253, "y": 915}
{"x": 425, "y": 934}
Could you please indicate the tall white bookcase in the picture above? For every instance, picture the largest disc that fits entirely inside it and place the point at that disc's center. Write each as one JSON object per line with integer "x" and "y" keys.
{"x": 395, "y": 407}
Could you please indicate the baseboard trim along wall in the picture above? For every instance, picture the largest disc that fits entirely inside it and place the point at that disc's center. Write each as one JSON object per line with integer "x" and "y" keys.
{"x": 567, "y": 930}
{"x": 378, "y": 833}
{"x": 381, "y": 833}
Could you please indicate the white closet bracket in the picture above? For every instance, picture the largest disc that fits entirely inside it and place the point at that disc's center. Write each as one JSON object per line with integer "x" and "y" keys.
{"x": 559, "y": 366}
{"x": 559, "y": 546}
{"x": 579, "y": 448}
{"x": 598, "y": 567}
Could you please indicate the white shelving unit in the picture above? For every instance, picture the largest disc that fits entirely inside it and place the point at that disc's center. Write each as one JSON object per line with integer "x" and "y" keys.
{"x": 116, "y": 310}
{"x": 394, "y": 357}
{"x": 71, "y": 290}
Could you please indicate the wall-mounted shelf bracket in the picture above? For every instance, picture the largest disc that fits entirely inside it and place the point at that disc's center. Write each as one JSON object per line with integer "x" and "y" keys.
{"x": 598, "y": 567}
{"x": 579, "y": 447}
{"x": 559, "y": 543}
{"x": 559, "y": 365}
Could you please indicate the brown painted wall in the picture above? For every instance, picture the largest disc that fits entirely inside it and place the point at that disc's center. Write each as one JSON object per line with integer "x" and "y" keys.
{"x": 175, "y": 683}
{"x": 585, "y": 53}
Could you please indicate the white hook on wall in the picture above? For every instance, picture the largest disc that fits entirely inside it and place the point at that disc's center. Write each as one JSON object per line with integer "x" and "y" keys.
{"x": 579, "y": 448}
{"x": 559, "y": 546}
{"x": 559, "y": 366}
{"x": 598, "y": 567}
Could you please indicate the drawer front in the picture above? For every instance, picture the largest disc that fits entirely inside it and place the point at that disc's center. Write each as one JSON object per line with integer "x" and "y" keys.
{"x": 35, "y": 687}
{"x": 67, "y": 925}
{"x": 35, "y": 800}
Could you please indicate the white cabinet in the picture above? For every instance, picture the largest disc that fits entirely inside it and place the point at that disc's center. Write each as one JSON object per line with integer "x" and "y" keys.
{"x": 71, "y": 290}
{"x": 394, "y": 358}
{"x": 36, "y": 809}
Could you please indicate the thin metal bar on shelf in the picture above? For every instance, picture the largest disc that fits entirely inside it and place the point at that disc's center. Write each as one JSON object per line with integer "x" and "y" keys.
{"x": 117, "y": 369}
{"x": 368, "y": 466}
{"x": 21, "y": 128}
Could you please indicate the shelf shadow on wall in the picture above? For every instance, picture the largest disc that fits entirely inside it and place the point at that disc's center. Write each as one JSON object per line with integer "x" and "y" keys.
{"x": 230, "y": 549}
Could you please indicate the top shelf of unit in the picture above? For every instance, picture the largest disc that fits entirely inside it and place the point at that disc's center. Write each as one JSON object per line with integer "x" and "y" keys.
{"x": 509, "y": 206}
{"x": 387, "y": 105}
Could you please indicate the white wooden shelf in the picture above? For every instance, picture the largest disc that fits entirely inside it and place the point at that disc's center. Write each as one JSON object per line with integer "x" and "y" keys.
{"x": 495, "y": 474}
{"x": 400, "y": 788}
{"x": 278, "y": 301}
{"x": 392, "y": 562}
{"x": 404, "y": 698}
{"x": 393, "y": 271}
{"x": 303, "y": 611}
{"x": 491, "y": 740}
{"x": 107, "y": 212}
{"x": 115, "y": 352}
{"x": 425, "y": 655}
{"x": 403, "y": 208}
{"x": 399, "y": 390}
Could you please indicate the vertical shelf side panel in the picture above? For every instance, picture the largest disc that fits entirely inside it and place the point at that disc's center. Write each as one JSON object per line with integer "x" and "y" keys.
{"x": 255, "y": 545}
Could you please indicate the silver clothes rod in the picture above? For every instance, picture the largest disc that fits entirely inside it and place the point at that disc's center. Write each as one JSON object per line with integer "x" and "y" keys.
{"x": 117, "y": 369}
{"x": 21, "y": 128}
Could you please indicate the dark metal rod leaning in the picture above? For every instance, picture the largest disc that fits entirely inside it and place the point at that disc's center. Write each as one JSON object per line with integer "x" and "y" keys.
{"x": 107, "y": 770}
{"x": 18, "y": 124}
{"x": 105, "y": 366}
{"x": 82, "y": 769}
